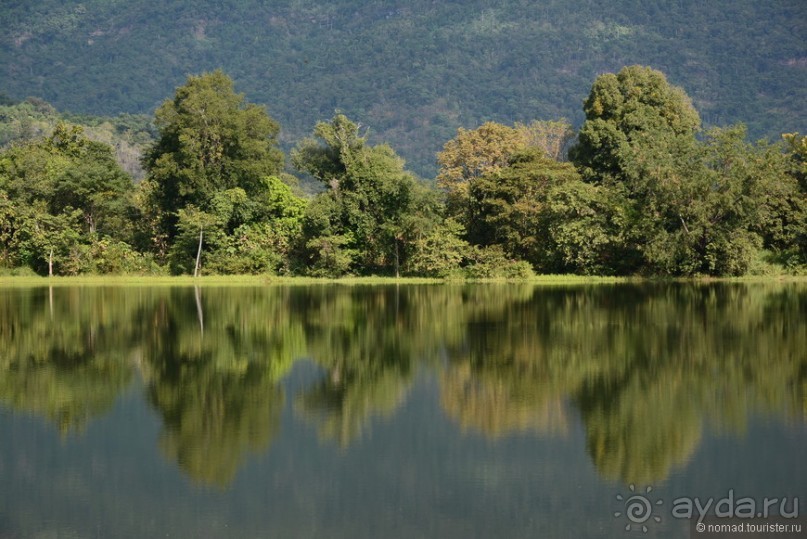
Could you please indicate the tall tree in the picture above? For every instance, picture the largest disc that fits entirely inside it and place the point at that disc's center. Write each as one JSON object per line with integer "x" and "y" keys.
{"x": 69, "y": 171}
{"x": 539, "y": 210}
{"x": 625, "y": 111}
{"x": 363, "y": 222}
{"x": 67, "y": 192}
{"x": 94, "y": 182}
{"x": 690, "y": 205}
{"x": 210, "y": 140}
{"x": 685, "y": 213}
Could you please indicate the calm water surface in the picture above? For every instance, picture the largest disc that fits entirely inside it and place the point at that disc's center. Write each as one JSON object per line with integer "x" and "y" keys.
{"x": 413, "y": 411}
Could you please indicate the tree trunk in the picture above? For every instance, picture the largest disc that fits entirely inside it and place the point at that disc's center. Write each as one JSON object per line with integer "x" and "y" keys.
{"x": 198, "y": 253}
{"x": 50, "y": 263}
{"x": 397, "y": 264}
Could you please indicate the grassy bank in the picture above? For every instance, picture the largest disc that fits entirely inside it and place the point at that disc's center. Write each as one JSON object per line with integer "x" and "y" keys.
{"x": 266, "y": 280}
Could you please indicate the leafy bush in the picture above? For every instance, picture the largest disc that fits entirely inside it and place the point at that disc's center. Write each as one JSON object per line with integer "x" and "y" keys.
{"x": 491, "y": 263}
{"x": 330, "y": 256}
{"x": 439, "y": 253}
{"x": 114, "y": 257}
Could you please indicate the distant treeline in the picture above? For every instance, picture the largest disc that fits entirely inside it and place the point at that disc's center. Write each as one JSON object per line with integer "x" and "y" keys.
{"x": 640, "y": 189}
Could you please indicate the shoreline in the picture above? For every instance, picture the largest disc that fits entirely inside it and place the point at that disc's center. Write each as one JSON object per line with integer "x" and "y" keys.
{"x": 268, "y": 280}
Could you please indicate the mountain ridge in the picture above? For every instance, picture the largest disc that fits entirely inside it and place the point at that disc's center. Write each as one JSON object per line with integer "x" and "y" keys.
{"x": 412, "y": 71}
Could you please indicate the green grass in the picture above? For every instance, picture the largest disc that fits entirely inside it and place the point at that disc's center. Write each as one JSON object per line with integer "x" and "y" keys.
{"x": 267, "y": 280}
{"x": 263, "y": 280}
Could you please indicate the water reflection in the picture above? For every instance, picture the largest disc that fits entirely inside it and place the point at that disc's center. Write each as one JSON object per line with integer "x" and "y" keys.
{"x": 212, "y": 368}
{"x": 647, "y": 369}
{"x": 682, "y": 358}
{"x": 65, "y": 360}
{"x": 361, "y": 337}
{"x": 498, "y": 379}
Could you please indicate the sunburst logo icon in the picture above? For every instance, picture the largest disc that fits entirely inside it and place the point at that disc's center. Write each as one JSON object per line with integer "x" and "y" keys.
{"x": 638, "y": 508}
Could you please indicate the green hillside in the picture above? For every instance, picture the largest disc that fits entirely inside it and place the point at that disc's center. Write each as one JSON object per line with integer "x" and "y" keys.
{"x": 412, "y": 71}
{"x": 33, "y": 119}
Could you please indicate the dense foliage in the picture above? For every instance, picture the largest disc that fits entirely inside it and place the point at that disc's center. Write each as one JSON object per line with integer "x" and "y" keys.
{"x": 647, "y": 191}
{"x": 690, "y": 205}
{"x": 372, "y": 210}
{"x": 34, "y": 118}
{"x": 65, "y": 202}
{"x": 415, "y": 70}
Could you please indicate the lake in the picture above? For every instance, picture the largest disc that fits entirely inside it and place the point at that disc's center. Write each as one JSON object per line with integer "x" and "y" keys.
{"x": 501, "y": 410}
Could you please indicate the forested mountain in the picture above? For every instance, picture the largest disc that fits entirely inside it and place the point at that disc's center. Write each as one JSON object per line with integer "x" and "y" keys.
{"x": 34, "y": 118}
{"x": 413, "y": 71}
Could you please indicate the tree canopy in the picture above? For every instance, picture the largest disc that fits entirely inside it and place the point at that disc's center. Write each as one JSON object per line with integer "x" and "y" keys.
{"x": 647, "y": 191}
{"x": 372, "y": 207}
{"x": 692, "y": 202}
{"x": 210, "y": 140}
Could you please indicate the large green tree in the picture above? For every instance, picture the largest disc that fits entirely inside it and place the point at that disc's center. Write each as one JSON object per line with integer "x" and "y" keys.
{"x": 65, "y": 193}
{"x": 689, "y": 205}
{"x": 368, "y": 218}
{"x": 506, "y": 205}
{"x": 67, "y": 170}
{"x": 210, "y": 140}
{"x": 539, "y": 210}
{"x": 628, "y": 110}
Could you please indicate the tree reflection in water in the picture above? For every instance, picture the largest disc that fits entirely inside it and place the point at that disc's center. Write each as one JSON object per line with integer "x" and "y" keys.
{"x": 647, "y": 368}
{"x": 216, "y": 385}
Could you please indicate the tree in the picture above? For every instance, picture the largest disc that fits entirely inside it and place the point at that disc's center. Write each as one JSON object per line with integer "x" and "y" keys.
{"x": 756, "y": 191}
{"x": 362, "y": 221}
{"x": 68, "y": 193}
{"x": 688, "y": 206}
{"x": 623, "y": 112}
{"x": 210, "y": 140}
{"x": 708, "y": 206}
{"x": 8, "y": 228}
{"x": 581, "y": 226}
{"x": 474, "y": 154}
{"x": 506, "y": 204}
{"x": 539, "y": 210}
{"x": 47, "y": 241}
{"x": 94, "y": 182}
{"x": 438, "y": 252}
{"x": 265, "y": 245}
{"x": 327, "y": 155}
{"x": 471, "y": 155}
{"x": 66, "y": 170}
